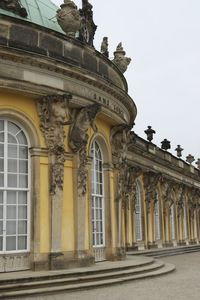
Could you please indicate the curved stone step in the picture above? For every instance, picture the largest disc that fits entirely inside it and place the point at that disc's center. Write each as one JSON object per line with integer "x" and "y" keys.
{"x": 101, "y": 275}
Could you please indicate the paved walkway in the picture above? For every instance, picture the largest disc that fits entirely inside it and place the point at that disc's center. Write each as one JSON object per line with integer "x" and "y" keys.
{"x": 184, "y": 284}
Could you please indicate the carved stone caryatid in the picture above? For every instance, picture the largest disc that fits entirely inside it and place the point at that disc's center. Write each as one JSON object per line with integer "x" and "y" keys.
{"x": 120, "y": 137}
{"x": 120, "y": 60}
{"x": 133, "y": 173}
{"x": 69, "y": 18}
{"x": 88, "y": 27}
{"x": 54, "y": 114}
{"x": 168, "y": 193}
{"x": 181, "y": 198}
{"x": 78, "y": 138}
{"x": 14, "y": 6}
{"x": 151, "y": 181}
{"x": 193, "y": 199}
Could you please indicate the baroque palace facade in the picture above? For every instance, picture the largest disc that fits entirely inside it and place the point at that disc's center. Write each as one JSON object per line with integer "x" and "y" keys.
{"x": 76, "y": 184}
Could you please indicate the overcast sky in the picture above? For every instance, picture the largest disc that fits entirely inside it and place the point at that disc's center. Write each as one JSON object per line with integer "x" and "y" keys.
{"x": 163, "y": 40}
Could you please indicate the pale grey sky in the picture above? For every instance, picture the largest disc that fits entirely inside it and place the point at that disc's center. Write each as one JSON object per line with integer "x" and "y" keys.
{"x": 162, "y": 38}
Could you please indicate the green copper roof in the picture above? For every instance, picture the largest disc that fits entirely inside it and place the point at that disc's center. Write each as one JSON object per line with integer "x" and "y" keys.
{"x": 41, "y": 12}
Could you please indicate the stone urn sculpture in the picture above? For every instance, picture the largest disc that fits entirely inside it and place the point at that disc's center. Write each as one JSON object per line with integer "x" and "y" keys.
{"x": 69, "y": 18}
{"x": 120, "y": 60}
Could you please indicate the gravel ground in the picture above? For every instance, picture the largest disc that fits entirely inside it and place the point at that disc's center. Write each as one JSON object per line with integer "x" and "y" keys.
{"x": 183, "y": 284}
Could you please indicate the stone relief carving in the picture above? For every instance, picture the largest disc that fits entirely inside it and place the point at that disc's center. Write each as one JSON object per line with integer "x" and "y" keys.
{"x": 193, "y": 200}
{"x": 69, "y": 18}
{"x": 54, "y": 113}
{"x": 120, "y": 60}
{"x": 132, "y": 174}
{"x": 78, "y": 138}
{"x": 14, "y": 6}
{"x": 151, "y": 181}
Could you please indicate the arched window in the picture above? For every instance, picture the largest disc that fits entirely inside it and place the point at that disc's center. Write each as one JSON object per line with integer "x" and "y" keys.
{"x": 138, "y": 214}
{"x": 14, "y": 188}
{"x": 98, "y": 233}
{"x": 156, "y": 218}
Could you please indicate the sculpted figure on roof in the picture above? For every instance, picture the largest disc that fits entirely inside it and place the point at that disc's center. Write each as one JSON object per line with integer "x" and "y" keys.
{"x": 14, "y": 6}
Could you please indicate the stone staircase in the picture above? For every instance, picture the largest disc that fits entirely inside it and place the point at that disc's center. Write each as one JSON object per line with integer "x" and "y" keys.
{"x": 163, "y": 252}
{"x": 23, "y": 284}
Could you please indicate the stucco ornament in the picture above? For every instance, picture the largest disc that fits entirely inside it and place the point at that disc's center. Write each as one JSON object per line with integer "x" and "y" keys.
{"x": 120, "y": 60}
{"x": 168, "y": 193}
{"x": 69, "y": 18}
{"x": 54, "y": 113}
{"x": 14, "y": 6}
{"x": 78, "y": 139}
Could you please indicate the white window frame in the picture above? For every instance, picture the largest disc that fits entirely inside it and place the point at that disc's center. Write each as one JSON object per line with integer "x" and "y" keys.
{"x": 6, "y": 189}
{"x": 96, "y": 195}
{"x": 138, "y": 214}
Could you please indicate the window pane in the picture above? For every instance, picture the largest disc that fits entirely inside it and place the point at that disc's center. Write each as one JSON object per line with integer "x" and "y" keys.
{"x": 1, "y": 165}
{"x": 1, "y": 212}
{"x": 22, "y": 212}
{"x": 1, "y": 125}
{"x": 23, "y": 181}
{"x": 1, "y": 243}
{"x": 23, "y": 152}
{"x": 23, "y": 166}
{"x": 10, "y": 243}
{"x": 1, "y": 150}
{"x": 12, "y": 151}
{"x": 1, "y": 196}
{"x": 22, "y": 243}
{"x": 22, "y": 198}
{"x": 2, "y": 137}
{"x": 11, "y": 197}
{"x": 10, "y": 227}
{"x": 21, "y": 138}
{"x": 12, "y": 180}
{"x": 13, "y": 128}
{"x": 11, "y": 212}
{"x": 1, "y": 180}
{"x": 22, "y": 227}
{"x": 1, "y": 227}
{"x": 11, "y": 139}
{"x": 12, "y": 165}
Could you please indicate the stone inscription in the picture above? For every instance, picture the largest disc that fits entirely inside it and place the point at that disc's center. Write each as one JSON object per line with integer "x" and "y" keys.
{"x": 110, "y": 105}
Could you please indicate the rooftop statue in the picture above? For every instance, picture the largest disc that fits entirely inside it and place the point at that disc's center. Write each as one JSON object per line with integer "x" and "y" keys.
{"x": 14, "y": 6}
{"x": 120, "y": 60}
{"x": 88, "y": 27}
{"x": 69, "y": 18}
{"x": 104, "y": 47}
